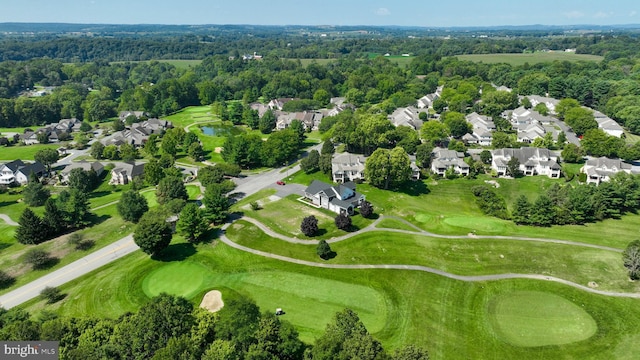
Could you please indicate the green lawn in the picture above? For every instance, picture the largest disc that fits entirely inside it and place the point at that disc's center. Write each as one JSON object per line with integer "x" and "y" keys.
{"x": 452, "y": 319}
{"x": 533, "y": 318}
{"x": 180, "y": 64}
{"x": 531, "y": 58}
{"x": 26, "y": 152}
{"x": 285, "y": 216}
{"x": 465, "y": 256}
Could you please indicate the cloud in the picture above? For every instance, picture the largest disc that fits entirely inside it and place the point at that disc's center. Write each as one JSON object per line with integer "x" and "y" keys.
{"x": 602, "y": 15}
{"x": 383, "y": 12}
{"x": 574, "y": 14}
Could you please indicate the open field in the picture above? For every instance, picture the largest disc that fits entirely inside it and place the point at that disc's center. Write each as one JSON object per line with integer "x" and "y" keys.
{"x": 26, "y": 152}
{"x": 466, "y": 256}
{"x": 180, "y": 64}
{"x": 531, "y": 58}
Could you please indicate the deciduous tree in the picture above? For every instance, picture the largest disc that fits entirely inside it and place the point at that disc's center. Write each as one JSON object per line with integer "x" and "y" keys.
{"x": 631, "y": 259}
{"x": 153, "y": 233}
{"x": 171, "y": 187}
{"x": 132, "y": 206}
{"x": 343, "y": 221}
{"x": 47, "y": 157}
{"x": 323, "y": 250}
{"x": 309, "y": 225}
{"x": 192, "y": 223}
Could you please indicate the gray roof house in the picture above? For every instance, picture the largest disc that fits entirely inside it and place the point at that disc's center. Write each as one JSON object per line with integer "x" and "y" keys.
{"x": 602, "y": 169}
{"x": 124, "y": 173}
{"x": 444, "y": 159}
{"x": 347, "y": 167}
{"x": 483, "y": 129}
{"x": 84, "y": 165}
{"x": 408, "y": 116}
{"x": 533, "y": 161}
{"x": 608, "y": 125}
{"x": 341, "y": 198}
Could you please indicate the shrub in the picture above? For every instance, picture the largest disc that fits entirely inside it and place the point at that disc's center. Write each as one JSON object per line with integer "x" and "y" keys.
{"x": 324, "y": 250}
{"x": 39, "y": 259}
{"x": 51, "y": 294}
{"x": 343, "y": 221}
{"x": 6, "y": 280}
{"x": 309, "y": 225}
{"x": 254, "y": 205}
{"x": 366, "y": 209}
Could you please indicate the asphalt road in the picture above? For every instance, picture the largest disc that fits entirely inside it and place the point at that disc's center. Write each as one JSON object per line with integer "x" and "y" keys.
{"x": 69, "y": 272}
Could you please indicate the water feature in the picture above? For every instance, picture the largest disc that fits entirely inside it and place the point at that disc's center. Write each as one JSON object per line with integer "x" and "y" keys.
{"x": 220, "y": 130}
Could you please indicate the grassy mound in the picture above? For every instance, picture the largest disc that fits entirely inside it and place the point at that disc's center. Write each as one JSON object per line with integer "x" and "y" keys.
{"x": 533, "y": 318}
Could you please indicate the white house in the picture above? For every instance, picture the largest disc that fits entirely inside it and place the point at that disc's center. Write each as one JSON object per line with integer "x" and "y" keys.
{"x": 408, "y": 116}
{"x": 124, "y": 173}
{"x": 550, "y": 103}
{"x": 426, "y": 101}
{"x": 347, "y": 167}
{"x": 533, "y": 161}
{"x": 341, "y": 198}
{"x": 444, "y": 159}
{"x": 608, "y": 125}
{"x": 483, "y": 129}
{"x": 602, "y": 169}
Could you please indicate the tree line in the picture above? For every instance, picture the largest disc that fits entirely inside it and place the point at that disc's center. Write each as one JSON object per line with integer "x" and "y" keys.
{"x": 568, "y": 204}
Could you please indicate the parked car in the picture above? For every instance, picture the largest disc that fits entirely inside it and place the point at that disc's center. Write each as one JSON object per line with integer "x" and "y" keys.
{"x": 280, "y": 182}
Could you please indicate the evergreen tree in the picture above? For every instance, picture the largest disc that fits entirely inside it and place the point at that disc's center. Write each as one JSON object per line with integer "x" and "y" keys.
{"x": 323, "y": 250}
{"x": 522, "y": 211}
{"x": 35, "y": 194}
{"x": 53, "y": 218}
{"x": 30, "y": 228}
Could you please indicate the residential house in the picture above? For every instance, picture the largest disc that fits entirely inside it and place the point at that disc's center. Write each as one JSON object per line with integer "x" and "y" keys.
{"x": 341, "y": 198}
{"x": 29, "y": 137}
{"x": 138, "y": 133}
{"x": 602, "y": 169}
{"x": 426, "y": 101}
{"x": 309, "y": 119}
{"x": 84, "y": 165}
{"x": 123, "y": 115}
{"x": 124, "y": 173}
{"x": 259, "y": 107}
{"x": 443, "y": 160}
{"x": 608, "y": 125}
{"x": 502, "y": 88}
{"x": 408, "y": 116}
{"x": 347, "y": 167}
{"x": 483, "y": 129}
{"x": 277, "y": 104}
{"x": 550, "y": 103}
{"x": 533, "y": 161}
{"x": 19, "y": 172}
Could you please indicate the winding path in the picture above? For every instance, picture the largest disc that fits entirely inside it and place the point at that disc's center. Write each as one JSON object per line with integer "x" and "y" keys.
{"x": 418, "y": 231}
{"x": 8, "y": 220}
{"x": 371, "y": 227}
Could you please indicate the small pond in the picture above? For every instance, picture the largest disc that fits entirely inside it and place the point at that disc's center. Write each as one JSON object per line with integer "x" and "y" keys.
{"x": 220, "y": 130}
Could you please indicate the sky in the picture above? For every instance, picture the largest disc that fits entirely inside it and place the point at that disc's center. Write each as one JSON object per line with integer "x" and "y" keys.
{"x": 425, "y": 13}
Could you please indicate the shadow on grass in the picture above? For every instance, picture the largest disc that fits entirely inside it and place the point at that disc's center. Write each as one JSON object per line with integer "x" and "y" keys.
{"x": 176, "y": 252}
{"x": 46, "y": 263}
{"x": 415, "y": 188}
{"x": 4, "y": 245}
{"x": 332, "y": 254}
{"x": 95, "y": 219}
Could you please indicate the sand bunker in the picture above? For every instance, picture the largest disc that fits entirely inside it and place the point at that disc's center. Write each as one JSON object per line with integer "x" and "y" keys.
{"x": 212, "y": 301}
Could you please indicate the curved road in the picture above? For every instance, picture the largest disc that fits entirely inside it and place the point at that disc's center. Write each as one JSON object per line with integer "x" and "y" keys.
{"x": 226, "y": 240}
{"x": 70, "y": 272}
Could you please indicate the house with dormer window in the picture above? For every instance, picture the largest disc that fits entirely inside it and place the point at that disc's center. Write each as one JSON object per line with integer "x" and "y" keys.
{"x": 602, "y": 169}
{"x": 533, "y": 161}
{"x": 341, "y": 199}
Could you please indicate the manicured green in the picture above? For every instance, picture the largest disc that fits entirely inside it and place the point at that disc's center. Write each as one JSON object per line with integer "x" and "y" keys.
{"x": 26, "y": 152}
{"x": 193, "y": 191}
{"x": 534, "y": 318}
{"x": 466, "y": 256}
{"x": 531, "y": 58}
{"x": 178, "y": 63}
{"x": 176, "y": 278}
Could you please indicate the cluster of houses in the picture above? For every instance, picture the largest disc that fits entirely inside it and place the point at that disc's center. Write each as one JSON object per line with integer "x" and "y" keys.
{"x": 137, "y": 133}
{"x": 346, "y": 167}
{"x": 55, "y": 132}
{"x": 310, "y": 119}
{"x": 18, "y": 172}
